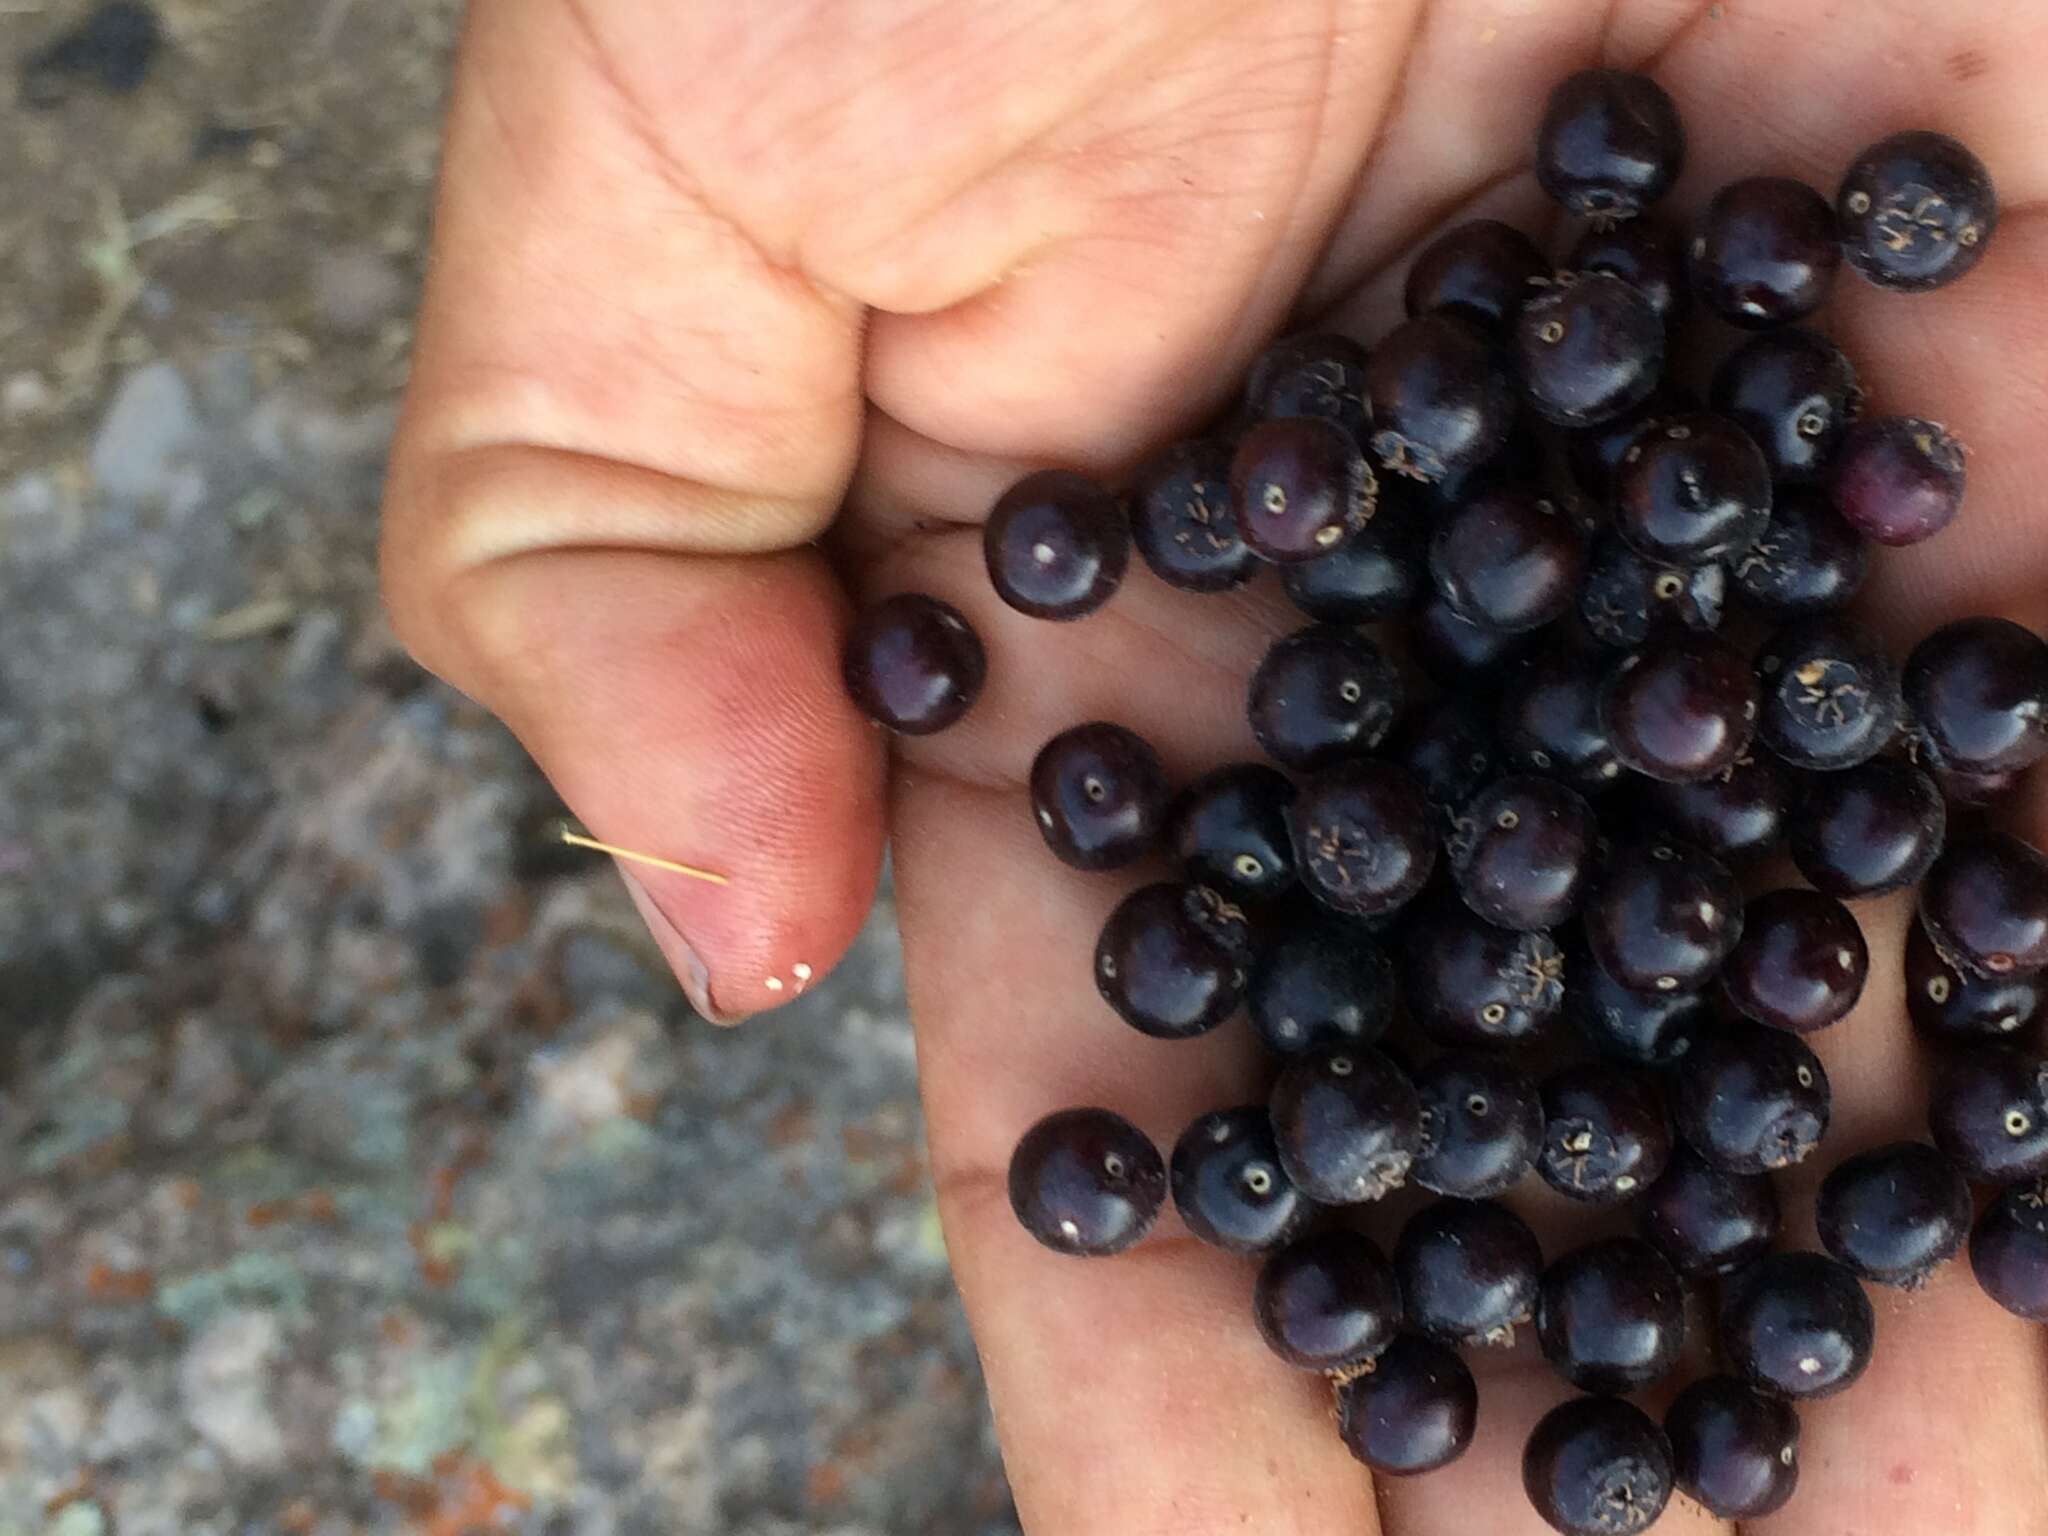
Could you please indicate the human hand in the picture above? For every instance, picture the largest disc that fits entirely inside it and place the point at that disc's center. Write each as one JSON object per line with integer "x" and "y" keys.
{"x": 706, "y": 274}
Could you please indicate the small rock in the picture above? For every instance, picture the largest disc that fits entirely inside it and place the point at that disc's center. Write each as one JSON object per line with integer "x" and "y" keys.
{"x": 225, "y": 1382}
{"x": 147, "y": 435}
{"x": 24, "y": 395}
{"x": 356, "y": 291}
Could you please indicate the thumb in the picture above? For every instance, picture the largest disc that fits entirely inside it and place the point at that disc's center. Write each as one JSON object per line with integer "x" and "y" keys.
{"x": 623, "y": 429}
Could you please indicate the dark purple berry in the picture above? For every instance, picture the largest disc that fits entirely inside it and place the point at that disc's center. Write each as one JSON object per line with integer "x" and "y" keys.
{"x": 1414, "y": 1411}
{"x": 1830, "y": 694}
{"x": 1681, "y": 709}
{"x": 1507, "y": 560}
{"x": 1794, "y": 392}
{"x": 1229, "y": 830}
{"x": 1739, "y": 814}
{"x": 1588, "y": 350}
{"x": 1985, "y": 904}
{"x": 1597, "y": 1466}
{"x": 1442, "y": 398}
{"x": 1869, "y": 829}
{"x": 1801, "y": 962}
{"x": 1550, "y": 719}
{"x": 1181, "y": 519}
{"x": 1947, "y": 1005}
{"x": 1056, "y": 545}
{"x": 1796, "y": 1325}
{"x": 1764, "y": 253}
{"x": 1363, "y": 838}
{"x": 1611, "y": 1316}
{"x": 1662, "y": 917}
{"x": 1468, "y": 983}
{"x": 1893, "y": 1214}
{"x": 1481, "y": 1124}
{"x": 1321, "y": 695}
{"x": 1647, "y": 254}
{"x": 1977, "y": 692}
{"x": 1734, "y": 1449}
{"x": 1162, "y": 968}
{"x": 1228, "y": 1184}
{"x": 1988, "y": 1110}
{"x": 1482, "y": 271}
{"x": 1520, "y": 852}
{"x": 1898, "y": 479}
{"x": 1086, "y": 1182}
{"x": 1605, "y": 1134}
{"x": 1596, "y": 452}
{"x": 1807, "y": 559}
{"x": 1750, "y": 1099}
{"x": 1327, "y": 1302}
{"x": 1627, "y": 600}
{"x": 1708, "y": 1221}
{"x": 1377, "y": 573}
{"x": 2009, "y": 1250}
{"x": 1347, "y": 1122}
{"x": 1610, "y": 143}
{"x": 1319, "y": 374}
{"x": 1640, "y": 1029}
{"x": 1916, "y": 211}
{"x": 1299, "y": 487}
{"x": 1099, "y": 795}
{"x": 1468, "y": 1271}
{"x": 1320, "y": 982}
{"x": 1448, "y": 745}
{"x": 1959, "y": 786}
{"x": 1692, "y": 489}
{"x": 913, "y": 664}
{"x": 1454, "y": 651}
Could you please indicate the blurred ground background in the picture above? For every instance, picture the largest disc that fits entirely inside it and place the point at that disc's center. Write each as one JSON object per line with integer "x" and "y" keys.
{"x": 361, "y": 1170}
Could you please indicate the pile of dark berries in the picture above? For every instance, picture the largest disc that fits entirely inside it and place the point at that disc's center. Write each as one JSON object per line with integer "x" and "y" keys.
{"x": 1510, "y": 912}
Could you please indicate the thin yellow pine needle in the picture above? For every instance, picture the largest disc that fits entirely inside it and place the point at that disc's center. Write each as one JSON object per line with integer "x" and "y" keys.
{"x": 576, "y": 839}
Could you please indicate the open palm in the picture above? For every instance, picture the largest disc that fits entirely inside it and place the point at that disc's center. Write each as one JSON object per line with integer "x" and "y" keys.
{"x": 714, "y": 278}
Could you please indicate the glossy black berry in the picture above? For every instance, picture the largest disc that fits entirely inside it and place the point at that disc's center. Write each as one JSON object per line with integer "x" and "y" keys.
{"x": 1597, "y": 1466}
{"x": 1449, "y": 747}
{"x": 1377, "y": 573}
{"x": 1481, "y": 1125}
{"x": 1610, "y": 143}
{"x": 1320, "y": 982}
{"x": 1413, "y": 1412}
{"x": 1946, "y": 1004}
{"x": 1347, "y": 1122}
{"x": 1327, "y": 1302}
{"x": 1751, "y": 1099}
{"x": 1870, "y": 829}
{"x": 1520, "y": 851}
{"x": 1639, "y": 1029}
{"x": 1893, "y": 1214}
{"x": 1442, "y": 397}
{"x": 1738, "y": 815}
{"x": 1507, "y": 559}
{"x": 1646, "y": 253}
{"x": 1985, "y": 904}
{"x": 1321, "y": 695}
{"x": 1162, "y": 968}
{"x": 1897, "y": 479}
{"x": 1691, "y": 489}
{"x": 1627, "y": 600}
{"x": 913, "y": 664}
{"x": 1764, "y": 253}
{"x": 1594, "y": 453}
{"x": 1318, "y": 374}
{"x": 1977, "y": 692}
{"x": 1681, "y": 709}
{"x": 1086, "y": 1182}
{"x": 1801, "y": 962}
{"x": 1661, "y": 917}
{"x": 1182, "y": 522}
{"x": 1988, "y": 1110}
{"x": 1481, "y": 270}
{"x": 1364, "y": 841}
{"x": 1611, "y": 1316}
{"x": 1229, "y": 831}
{"x": 1794, "y": 392}
{"x": 1549, "y": 719}
{"x": 1454, "y": 651}
{"x": 1807, "y": 559}
{"x": 1916, "y": 211}
{"x": 1298, "y": 487}
{"x": 1099, "y": 795}
{"x": 1468, "y": 983}
{"x": 1468, "y": 1271}
{"x": 1830, "y": 694}
{"x": 1588, "y": 350}
{"x": 1796, "y": 1325}
{"x": 1706, "y": 1220}
{"x": 1733, "y": 1448}
{"x": 1228, "y": 1184}
{"x": 1606, "y": 1136}
{"x": 1056, "y": 544}
{"x": 2009, "y": 1250}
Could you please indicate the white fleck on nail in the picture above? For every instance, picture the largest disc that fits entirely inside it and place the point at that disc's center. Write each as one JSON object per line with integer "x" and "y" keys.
{"x": 800, "y": 971}
{"x": 773, "y": 983}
